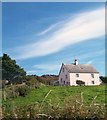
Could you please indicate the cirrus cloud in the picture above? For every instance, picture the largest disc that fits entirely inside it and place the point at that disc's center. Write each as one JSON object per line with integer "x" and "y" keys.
{"x": 81, "y": 27}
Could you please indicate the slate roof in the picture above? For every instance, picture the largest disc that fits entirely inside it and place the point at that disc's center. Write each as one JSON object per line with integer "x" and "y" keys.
{"x": 80, "y": 68}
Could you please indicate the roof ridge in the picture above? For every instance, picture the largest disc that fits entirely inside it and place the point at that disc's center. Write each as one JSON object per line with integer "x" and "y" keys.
{"x": 82, "y": 68}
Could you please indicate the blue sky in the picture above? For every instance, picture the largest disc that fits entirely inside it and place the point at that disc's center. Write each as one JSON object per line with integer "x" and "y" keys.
{"x": 42, "y": 36}
{"x": 53, "y": 0}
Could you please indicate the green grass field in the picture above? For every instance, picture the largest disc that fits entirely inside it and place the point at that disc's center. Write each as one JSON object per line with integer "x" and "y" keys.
{"x": 59, "y": 101}
{"x": 59, "y": 94}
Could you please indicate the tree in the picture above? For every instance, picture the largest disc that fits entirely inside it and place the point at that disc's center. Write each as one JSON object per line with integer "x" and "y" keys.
{"x": 31, "y": 81}
{"x": 104, "y": 79}
{"x": 10, "y": 70}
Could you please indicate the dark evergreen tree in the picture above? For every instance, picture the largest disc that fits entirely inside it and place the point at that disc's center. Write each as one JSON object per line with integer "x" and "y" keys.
{"x": 10, "y": 70}
{"x": 104, "y": 79}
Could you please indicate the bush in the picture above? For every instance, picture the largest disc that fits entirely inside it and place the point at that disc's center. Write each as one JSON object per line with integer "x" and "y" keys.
{"x": 14, "y": 91}
{"x": 22, "y": 91}
{"x": 80, "y": 82}
{"x": 32, "y": 82}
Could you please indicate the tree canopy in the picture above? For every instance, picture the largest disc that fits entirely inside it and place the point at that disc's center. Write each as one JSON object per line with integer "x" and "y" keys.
{"x": 104, "y": 79}
{"x": 10, "y": 70}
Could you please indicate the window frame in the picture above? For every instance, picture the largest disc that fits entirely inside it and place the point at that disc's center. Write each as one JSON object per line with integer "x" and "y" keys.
{"x": 77, "y": 74}
{"x": 92, "y": 75}
{"x": 61, "y": 80}
{"x": 66, "y": 76}
{"x": 63, "y": 69}
{"x": 93, "y": 82}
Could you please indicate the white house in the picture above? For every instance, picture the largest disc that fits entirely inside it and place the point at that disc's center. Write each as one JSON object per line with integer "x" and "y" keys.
{"x": 76, "y": 74}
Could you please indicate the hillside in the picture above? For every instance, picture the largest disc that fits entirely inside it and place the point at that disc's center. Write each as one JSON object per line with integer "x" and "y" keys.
{"x": 48, "y": 79}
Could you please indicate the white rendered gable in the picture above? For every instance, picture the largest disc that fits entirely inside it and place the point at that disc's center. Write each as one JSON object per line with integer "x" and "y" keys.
{"x": 64, "y": 76}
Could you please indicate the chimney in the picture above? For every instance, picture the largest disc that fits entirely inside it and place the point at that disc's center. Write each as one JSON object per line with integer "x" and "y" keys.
{"x": 75, "y": 62}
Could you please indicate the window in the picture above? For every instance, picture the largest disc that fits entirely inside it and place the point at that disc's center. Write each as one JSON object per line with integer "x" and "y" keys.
{"x": 92, "y": 75}
{"x": 63, "y": 70}
{"x": 66, "y": 76}
{"x": 77, "y": 75}
{"x": 61, "y": 80}
{"x": 64, "y": 82}
{"x": 67, "y": 83}
{"x": 92, "y": 82}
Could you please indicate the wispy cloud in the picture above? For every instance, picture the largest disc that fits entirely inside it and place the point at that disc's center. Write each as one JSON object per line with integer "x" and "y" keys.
{"x": 47, "y": 30}
{"x": 90, "y": 62}
{"x": 91, "y": 54}
{"x": 31, "y": 71}
{"x": 44, "y": 68}
{"x": 51, "y": 67}
{"x": 47, "y": 67}
{"x": 83, "y": 26}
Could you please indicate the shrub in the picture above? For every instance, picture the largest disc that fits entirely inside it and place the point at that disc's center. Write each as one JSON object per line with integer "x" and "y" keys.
{"x": 14, "y": 91}
{"x": 80, "y": 82}
{"x": 32, "y": 83}
{"x": 22, "y": 91}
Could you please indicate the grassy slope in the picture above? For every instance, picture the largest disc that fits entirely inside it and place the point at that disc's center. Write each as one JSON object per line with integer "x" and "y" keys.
{"x": 61, "y": 93}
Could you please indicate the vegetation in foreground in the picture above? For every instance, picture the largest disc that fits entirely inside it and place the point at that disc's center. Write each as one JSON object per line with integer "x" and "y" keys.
{"x": 57, "y": 102}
